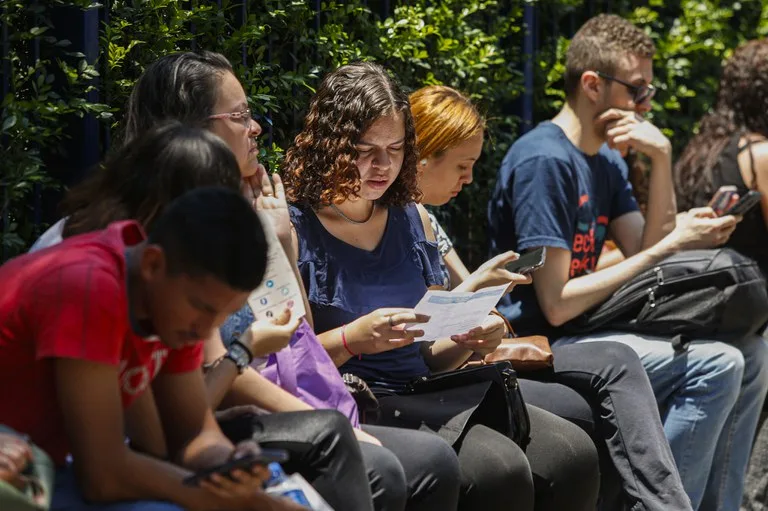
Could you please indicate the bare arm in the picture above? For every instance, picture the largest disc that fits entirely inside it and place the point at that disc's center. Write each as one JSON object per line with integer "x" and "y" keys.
{"x": 456, "y": 269}
{"x": 192, "y": 434}
{"x": 220, "y": 378}
{"x": 249, "y": 388}
{"x": 561, "y": 298}
{"x": 662, "y": 206}
{"x": 626, "y": 129}
{"x": 760, "y": 154}
{"x": 107, "y": 470}
{"x": 143, "y": 426}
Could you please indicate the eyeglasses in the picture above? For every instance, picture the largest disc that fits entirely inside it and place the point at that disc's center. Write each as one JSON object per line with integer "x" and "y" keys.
{"x": 244, "y": 117}
{"x": 640, "y": 93}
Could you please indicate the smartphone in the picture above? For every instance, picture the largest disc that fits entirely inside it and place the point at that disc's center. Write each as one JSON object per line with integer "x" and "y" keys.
{"x": 265, "y": 457}
{"x": 528, "y": 262}
{"x": 723, "y": 199}
{"x": 749, "y": 201}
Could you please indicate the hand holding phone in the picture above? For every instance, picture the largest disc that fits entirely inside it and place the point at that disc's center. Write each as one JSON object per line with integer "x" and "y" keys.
{"x": 749, "y": 201}
{"x": 528, "y": 262}
{"x": 247, "y": 462}
{"x": 724, "y": 198}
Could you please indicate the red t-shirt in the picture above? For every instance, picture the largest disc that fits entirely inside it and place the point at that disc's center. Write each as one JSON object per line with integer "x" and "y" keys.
{"x": 71, "y": 301}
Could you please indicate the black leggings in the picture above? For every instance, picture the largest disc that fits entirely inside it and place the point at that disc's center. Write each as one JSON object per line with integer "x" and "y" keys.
{"x": 424, "y": 462}
{"x": 412, "y": 470}
{"x": 558, "y": 471}
{"x": 322, "y": 447}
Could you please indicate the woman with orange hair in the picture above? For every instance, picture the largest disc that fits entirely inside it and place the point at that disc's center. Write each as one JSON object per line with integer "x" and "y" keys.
{"x": 367, "y": 255}
{"x": 610, "y": 377}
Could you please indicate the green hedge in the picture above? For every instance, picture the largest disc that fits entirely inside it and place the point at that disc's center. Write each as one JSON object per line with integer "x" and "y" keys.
{"x": 284, "y": 47}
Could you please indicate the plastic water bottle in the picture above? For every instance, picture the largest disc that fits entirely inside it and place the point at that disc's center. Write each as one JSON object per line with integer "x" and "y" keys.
{"x": 279, "y": 484}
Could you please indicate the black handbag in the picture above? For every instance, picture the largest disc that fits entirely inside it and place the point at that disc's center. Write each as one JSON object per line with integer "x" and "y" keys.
{"x": 448, "y": 403}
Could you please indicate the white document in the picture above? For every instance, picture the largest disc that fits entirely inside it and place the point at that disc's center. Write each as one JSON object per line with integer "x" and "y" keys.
{"x": 280, "y": 289}
{"x": 453, "y": 313}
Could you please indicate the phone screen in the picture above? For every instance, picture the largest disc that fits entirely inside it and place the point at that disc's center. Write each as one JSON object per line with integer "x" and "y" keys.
{"x": 528, "y": 262}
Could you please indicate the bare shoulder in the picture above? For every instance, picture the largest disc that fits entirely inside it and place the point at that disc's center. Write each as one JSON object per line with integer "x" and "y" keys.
{"x": 428, "y": 231}
{"x": 759, "y": 147}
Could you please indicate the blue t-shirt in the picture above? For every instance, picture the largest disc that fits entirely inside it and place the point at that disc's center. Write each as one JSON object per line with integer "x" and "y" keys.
{"x": 549, "y": 193}
{"x": 344, "y": 283}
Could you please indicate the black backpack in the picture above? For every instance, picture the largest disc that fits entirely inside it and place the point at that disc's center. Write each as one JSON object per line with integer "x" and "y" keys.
{"x": 708, "y": 294}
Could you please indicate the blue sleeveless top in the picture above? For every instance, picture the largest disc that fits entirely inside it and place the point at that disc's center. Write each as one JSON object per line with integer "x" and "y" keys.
{"x": 344, "y": 282}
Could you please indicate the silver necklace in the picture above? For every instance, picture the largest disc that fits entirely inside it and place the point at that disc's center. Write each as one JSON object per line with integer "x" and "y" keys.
{"x": 357, "y": 222}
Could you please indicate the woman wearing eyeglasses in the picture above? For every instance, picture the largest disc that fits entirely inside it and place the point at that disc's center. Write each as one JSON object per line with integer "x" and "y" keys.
{"x": 201, "y": 89}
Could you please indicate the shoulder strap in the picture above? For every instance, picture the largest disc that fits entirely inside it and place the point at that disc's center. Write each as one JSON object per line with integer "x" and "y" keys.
{"x": 748, "y": 146}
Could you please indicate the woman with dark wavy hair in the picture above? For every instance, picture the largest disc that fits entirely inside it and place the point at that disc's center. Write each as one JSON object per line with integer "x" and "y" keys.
{"x": 731, "y": 148}
{"x": 367, "y": 254}
{"x": 349, "y": 468}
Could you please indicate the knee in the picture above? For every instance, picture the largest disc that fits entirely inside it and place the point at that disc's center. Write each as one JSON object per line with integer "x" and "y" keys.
{"x": 389, "y": 486}
{"x": 755, "y": 352}
{"x": 621, "y": 360}
{"x": 439, "y": 456}
{"x": 577, "y": 466}
{"x": 566, "y": 465}
{"x": 494, "y": 467}
{"x": 333, "y": 426}
{"x": 720, "y": 364}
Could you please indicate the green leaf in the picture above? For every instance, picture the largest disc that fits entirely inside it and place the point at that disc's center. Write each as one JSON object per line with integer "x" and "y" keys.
{"x": 9, "y": 122}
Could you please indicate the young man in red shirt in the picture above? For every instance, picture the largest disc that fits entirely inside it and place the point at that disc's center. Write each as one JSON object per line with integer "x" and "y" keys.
{"x": 88, "y": 325}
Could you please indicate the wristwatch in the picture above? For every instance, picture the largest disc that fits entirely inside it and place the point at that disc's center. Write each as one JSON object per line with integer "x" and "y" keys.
{"x": 240, "y": 355}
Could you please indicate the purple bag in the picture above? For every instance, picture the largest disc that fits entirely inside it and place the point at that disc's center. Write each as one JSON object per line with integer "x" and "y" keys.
{"x": 305, "y": 369}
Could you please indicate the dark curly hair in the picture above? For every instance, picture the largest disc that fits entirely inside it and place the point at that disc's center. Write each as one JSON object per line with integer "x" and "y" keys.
{"x": 319, "y": 168}
{"x": 600, "y": 44}
{"x": 741, "y": 107}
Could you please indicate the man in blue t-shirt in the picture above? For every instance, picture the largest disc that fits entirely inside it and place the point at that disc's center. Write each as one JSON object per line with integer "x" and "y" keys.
{"x": 564, "y": 186}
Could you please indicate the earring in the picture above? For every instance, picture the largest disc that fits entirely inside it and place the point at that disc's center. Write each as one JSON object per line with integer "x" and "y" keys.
{"x": 423, "y": 162}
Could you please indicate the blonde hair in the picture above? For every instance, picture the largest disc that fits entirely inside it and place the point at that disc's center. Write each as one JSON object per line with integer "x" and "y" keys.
{"x": 444, "y": 118}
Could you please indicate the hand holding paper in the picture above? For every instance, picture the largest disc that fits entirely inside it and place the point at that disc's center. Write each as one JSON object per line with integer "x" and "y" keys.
{"x": 279, "y": 290}
{"x": 456, "y": 313}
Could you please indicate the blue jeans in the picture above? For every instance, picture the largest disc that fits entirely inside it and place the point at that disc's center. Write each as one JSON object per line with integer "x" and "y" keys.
{"x": 710, "y": 397}
{"x": 67, "y": 497}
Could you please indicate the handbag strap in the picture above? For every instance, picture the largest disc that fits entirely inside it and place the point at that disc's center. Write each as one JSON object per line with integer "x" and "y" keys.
{"x": 511, "y": 331}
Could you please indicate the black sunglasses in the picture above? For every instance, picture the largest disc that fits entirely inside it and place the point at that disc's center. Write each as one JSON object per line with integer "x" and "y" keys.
{"x": 640, "y": 93}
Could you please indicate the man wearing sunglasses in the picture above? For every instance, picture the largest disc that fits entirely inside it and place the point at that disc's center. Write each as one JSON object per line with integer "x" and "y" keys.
{"x": 564, "y": 186}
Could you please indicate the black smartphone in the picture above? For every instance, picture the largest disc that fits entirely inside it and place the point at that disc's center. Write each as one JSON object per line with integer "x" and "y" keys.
{"x": 528, "y": 262}
{"x": 247, "y": 462}
{"x": 749, "y": 201}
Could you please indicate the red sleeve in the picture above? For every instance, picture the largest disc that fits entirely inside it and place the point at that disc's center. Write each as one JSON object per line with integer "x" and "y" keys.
{"x": 79, "y": 311}
{"x": 184, "y": 360}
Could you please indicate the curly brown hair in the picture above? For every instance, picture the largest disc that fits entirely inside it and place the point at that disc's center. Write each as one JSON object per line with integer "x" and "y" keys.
{"x": 320, "y": 168}
{"x": 600, "y": 44}
{"x": 741, "y": 107}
